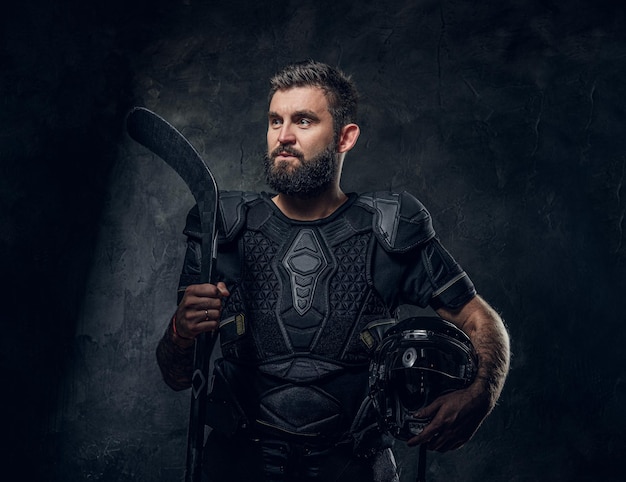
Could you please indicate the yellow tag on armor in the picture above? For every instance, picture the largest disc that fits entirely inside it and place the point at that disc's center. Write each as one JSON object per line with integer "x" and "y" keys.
{"x": 239, "y": 324}
{"x": 367, "y": 338}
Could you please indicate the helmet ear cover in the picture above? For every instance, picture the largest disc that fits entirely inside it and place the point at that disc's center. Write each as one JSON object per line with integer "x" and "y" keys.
{"x": 418, "y": 360}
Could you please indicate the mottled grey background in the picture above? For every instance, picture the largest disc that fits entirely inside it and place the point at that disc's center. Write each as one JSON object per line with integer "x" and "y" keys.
{"x": 507, "y": 119}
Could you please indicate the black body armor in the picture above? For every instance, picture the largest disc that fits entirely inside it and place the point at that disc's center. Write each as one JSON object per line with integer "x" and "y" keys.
{"x": 295, "y": 365}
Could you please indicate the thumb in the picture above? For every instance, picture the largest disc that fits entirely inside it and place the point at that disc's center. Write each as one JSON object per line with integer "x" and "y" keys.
{"x": 221, "y": 287}
{"x": 428, "y": 411}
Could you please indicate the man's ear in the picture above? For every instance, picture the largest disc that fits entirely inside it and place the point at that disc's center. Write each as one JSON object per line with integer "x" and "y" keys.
{"x": 348, "y": 137}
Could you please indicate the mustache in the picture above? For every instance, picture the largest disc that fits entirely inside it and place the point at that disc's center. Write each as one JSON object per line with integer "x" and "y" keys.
{"x": 289, "y": 150}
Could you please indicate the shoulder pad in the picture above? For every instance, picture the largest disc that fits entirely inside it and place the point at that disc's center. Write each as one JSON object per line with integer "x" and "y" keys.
{"x": 230, "y": 215}
{"x": 400, "y": 221}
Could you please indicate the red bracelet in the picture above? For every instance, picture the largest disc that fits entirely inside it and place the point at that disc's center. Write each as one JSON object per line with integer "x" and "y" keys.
{"x": 176, "y": 331}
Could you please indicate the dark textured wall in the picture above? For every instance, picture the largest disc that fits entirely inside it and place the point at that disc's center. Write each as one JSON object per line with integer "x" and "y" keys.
{"x": 507, "y": 119}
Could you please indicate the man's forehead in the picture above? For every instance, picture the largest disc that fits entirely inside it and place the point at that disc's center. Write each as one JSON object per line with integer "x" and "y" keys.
{"x": 299, "y": 98}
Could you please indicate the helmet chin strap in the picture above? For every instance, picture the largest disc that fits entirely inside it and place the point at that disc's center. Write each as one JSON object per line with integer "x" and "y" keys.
{"x": 421, "y": 464}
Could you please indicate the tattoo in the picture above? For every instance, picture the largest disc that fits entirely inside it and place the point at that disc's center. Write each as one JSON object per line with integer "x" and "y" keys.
{"x": 175, "y": 361}
{"x": 492, "y": 345}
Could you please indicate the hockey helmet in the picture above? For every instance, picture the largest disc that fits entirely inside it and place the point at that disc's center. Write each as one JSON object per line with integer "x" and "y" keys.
{"x": 416, "y": 361}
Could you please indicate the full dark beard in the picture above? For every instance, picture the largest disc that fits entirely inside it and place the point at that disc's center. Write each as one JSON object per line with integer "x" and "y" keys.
{"x": 308, "y": 179}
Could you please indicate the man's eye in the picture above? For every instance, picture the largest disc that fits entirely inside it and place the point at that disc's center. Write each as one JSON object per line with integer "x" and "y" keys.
{"x": 275, "y": 122}
{"x": 304, "y": 122}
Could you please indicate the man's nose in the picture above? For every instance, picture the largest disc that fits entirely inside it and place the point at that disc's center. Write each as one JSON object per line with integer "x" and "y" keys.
{"x": 286, "y": 134}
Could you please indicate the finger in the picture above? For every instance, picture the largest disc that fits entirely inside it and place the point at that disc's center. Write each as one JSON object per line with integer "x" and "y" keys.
{"x": 207, "y": 326}
{"x": 424, "y": 436}
{"x": 191, "y": 313}
{"x": 432, "y": 440}
{"x": 200, "y": 326}
{"x": 208, "y": 314}
{"x": 205, "y": 290}
{"x": 202, "y": 303}
{"x": 430, "y": 410}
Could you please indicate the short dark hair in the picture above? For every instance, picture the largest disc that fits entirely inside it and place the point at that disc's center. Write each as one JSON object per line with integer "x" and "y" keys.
{"x": 338, "y": 87}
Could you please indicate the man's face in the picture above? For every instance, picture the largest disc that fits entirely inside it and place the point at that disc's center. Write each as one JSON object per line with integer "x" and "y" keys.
{"x": 301, "y": 156}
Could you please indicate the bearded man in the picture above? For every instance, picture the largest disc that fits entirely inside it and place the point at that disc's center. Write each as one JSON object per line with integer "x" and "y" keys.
{"x": 302, "y": 272}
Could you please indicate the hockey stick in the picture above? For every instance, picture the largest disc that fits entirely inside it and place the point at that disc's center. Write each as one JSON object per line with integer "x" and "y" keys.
{"x": 160, "y": 137}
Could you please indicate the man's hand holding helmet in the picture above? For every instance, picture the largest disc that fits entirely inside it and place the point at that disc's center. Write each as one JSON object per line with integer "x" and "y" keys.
{"x": 456, "y": 416}
{"x": 454, "y": 419}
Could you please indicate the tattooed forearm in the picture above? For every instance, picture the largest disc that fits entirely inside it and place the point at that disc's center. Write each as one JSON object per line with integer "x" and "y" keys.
{"x": 175, "y": 360}
{"x": 494, "y": 356}
{"x": 491, "y": 341}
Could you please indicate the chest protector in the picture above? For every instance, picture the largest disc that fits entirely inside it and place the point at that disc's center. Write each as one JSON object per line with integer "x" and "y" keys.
{"x": 301, "y": 294}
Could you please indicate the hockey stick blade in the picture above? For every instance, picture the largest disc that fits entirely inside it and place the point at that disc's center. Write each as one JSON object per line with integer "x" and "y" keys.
{"x": 164, "y": 140}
